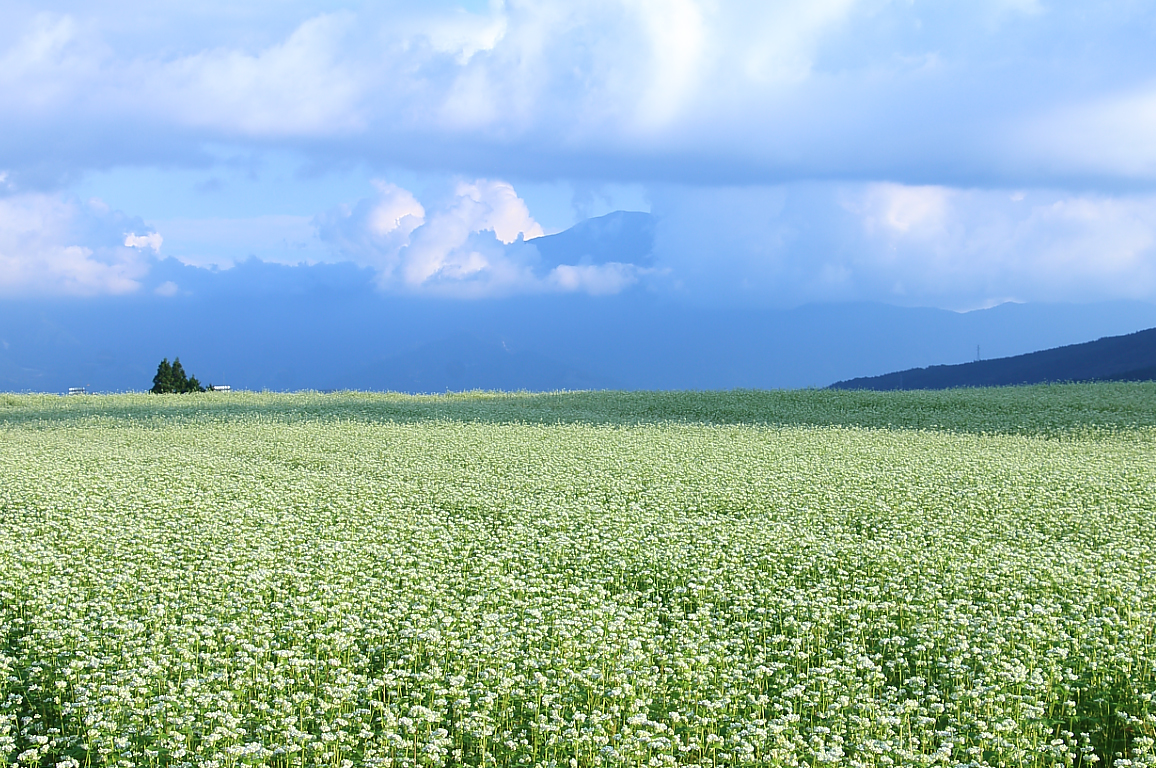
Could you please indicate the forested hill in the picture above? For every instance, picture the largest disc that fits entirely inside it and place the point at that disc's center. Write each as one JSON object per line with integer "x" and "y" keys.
{"x": 1113, "y": 358}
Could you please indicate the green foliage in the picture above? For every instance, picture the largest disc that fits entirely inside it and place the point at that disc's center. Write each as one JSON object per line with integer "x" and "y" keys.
{"x": 1056, "y": 410}
{"x": 171, "y": 378}
{"x": 585, "y": 579}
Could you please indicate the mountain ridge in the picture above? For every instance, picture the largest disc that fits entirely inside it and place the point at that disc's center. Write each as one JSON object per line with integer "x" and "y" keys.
{"x": 262, "y": 325}
{"x": 1127, "y": 357}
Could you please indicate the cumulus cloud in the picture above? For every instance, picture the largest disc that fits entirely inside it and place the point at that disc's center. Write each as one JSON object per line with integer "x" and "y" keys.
{"x": 51, "y": 245}
{"x": 451, "y": 246}
{"x": 778, "y": 245}
{"x": 928, "y": 245}
{"x": 152, "y": 240}
{"x": 375, "y": 230}
{"x": 759, "y": 245}
{"x": 477, "y": 241}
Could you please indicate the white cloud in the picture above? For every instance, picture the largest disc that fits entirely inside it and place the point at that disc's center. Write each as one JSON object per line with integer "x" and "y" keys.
{"x": 597, "y": 75}
{"x": 456, "y": 32}
{"x": 303, "y": 85}
{"x": 498, "y": 207}
{"x": 477, "y": 241}
{"x": 1113, "y": 134}
{"x": 299, "y": 87}
{"x": 167, "y": 288}
{"x": 775, "y": 42}
{"x": 595, "y": 279}
{"x": 1056, "y": 247}
{"x": 373, "y": 231}
{"x": 928, "y": 245}
{"x": 396, "y": 210}
{"x": 675, "y": 30}
{"x": 50, "y": 245}
{"x": 152, "y": 240}
{"x": 50, "y": 64}
{"x": 446, "y": 249}
{"x": 629, "y": 90}
{"x": 905, "y": 209}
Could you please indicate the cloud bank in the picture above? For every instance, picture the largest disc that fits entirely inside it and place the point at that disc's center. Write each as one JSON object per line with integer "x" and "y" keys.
{"x": 781, "y": 245}
{"x": 52, "y": 246}
{"x": 765, "y": 245}
{"x": 477, "y": 241}
{"x": 682, "y": 91}
{"x": 915, "y": 245}
{"x": 956, "y": 154}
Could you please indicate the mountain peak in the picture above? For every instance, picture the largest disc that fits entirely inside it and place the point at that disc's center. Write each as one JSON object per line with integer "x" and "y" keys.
{"x": 626, "y": 237}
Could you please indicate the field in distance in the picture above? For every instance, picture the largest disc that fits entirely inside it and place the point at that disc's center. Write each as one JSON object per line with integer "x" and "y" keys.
{"x": 962, "y": 577}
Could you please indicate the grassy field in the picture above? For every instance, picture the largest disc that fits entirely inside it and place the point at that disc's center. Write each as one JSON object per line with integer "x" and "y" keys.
{"x": 758, "y": 578}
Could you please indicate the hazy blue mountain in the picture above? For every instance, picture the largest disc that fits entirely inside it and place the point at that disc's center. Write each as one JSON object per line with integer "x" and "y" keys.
{"x": 1131, "y": 357}
{"x": 359, "y": 339}
{"x": 463, "y": 362}
{"x": 267, "y": 326}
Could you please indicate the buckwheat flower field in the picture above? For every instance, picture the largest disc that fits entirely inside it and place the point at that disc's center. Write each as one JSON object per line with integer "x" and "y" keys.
{"x": 582, "y": 579}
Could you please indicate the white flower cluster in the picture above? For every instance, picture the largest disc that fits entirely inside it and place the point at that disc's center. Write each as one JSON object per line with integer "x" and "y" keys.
{"x": 311, "y": 580}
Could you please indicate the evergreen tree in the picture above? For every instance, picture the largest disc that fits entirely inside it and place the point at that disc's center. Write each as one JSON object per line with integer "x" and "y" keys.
{"x": 163, "y": 381}
{"x": 179, "y": 376}
{"x": 172, "y": 378}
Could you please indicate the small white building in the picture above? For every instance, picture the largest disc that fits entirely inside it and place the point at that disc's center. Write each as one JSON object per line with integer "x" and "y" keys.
{"x": 220, "y": 388}
{"x": 77, "y": 391}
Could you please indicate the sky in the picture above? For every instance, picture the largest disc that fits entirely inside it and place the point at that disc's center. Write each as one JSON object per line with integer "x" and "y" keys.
{"x": 950, "y": 154}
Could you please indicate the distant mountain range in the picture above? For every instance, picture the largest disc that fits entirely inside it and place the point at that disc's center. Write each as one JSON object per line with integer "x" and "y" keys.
{"x": 1131, "y": 357}
{"x": 464, "y": 362}
{"x": 328, "y": 326}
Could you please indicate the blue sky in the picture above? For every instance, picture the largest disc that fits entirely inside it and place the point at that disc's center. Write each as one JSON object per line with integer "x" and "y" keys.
{"x": 950, "y": 154}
